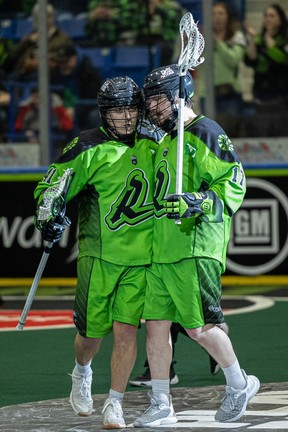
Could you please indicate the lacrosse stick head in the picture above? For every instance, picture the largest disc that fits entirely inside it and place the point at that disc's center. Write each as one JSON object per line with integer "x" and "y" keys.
{"x": 192, "y": 44}
{"x": 54, "y": 198}
{"x": 161, "y": 91}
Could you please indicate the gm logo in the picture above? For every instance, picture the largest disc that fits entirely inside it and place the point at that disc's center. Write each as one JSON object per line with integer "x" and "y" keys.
{"x": 259, "y": 239}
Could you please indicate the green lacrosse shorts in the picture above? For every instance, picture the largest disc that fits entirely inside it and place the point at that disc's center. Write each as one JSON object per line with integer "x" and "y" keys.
{"x": 187, "y": 292}
{"x": 105, "y": 293}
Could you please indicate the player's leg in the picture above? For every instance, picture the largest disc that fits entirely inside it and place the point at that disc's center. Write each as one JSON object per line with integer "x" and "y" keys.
{"x": 158, "y": 346}
{"x": 144, "y": 379}
{"x": 127, "y": 312}
{"x": 214, "y": 366}
{"x": 122, "y": 362}
{"x": 80, "y": 396}
{"x": 93, "y": 318}
{"x": 159, "y": 351}
{"x": 240, "y": 387}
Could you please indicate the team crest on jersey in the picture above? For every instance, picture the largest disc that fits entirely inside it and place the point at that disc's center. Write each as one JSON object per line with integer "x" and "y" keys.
{"x": 190, "y": 150}
{"x": 132, "y": 206}
{"x": 225, "y": 143}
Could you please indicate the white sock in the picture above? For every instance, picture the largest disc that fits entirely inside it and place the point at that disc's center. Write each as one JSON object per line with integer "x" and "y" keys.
{"x": 84, "y": 370}
{"x": 160, "y": 387}
{"x": 234, "y": 376}
{"x": 116, "y": 395}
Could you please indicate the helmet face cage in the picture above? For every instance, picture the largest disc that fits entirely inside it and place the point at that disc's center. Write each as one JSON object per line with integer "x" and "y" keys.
{"x": 120, "y": 103}
{"x": 165, "y": 81}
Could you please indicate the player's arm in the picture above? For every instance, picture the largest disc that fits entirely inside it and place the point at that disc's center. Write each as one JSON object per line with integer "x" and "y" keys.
{"x": 224, "y": 196}
{"x": 187, "y": 205}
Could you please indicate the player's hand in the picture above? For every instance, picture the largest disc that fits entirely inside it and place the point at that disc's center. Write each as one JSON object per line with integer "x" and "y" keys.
{"x": 53, "y": 230}
{"x": 187, "y": 205}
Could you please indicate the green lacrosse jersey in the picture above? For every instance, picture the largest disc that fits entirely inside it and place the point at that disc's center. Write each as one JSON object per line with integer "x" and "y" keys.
{"x": 114, "y": 186}
{"x": 209, "y": 163}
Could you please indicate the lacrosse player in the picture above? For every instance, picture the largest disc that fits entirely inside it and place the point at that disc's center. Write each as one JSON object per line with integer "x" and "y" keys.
{"x": 113, "y": 178}
{"x": 184, "y": 280}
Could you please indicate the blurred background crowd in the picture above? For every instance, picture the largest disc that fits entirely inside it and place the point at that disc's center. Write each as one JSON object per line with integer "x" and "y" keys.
{"x": 90, "y": 40}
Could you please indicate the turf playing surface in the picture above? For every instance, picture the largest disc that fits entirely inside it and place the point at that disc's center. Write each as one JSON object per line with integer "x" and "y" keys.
{"x": 35, "y": 364}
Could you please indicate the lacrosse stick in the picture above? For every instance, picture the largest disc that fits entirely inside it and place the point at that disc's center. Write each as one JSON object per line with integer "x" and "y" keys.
{"x": 53, "y": 205}
{"x": 192, "y": 46}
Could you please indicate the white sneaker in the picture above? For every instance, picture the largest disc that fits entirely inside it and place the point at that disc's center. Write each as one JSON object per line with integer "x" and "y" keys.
{"x": 235, "y": 401}
{"x": 113, "y": 414}
{"x": 80, "y": 396}
{"x": 159, "y": 413}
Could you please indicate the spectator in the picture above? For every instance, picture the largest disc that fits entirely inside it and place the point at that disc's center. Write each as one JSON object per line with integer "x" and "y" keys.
{"x": 136, "y": 23}
{"x": 160, "y": 25}
{"x": 24, "y": 58}
{"x": 267, "y": 54}
{"x": 113, "y": 22}
{"x": 5, "y": 97}
{"x": 229, "y": 50}
{"x": 4, "y": 110}
{"x": 70, "y": 6}
{"x": 80, "y": 80}
{"x": 27, "y": 120}
{"x": 6, "y": 46}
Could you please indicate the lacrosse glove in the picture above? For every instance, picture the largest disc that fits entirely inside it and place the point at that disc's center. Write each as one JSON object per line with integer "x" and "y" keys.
{"x": 188, "y": 205}
{"x": 53, "y": 229}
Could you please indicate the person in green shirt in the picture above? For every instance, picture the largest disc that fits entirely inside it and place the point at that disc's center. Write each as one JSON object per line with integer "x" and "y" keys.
{"x": 188, "y": 258}
{"x": 112, "y": 169}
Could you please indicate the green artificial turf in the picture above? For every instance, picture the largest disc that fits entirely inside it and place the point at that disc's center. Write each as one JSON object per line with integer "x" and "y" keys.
{"x": 35, "y": 364}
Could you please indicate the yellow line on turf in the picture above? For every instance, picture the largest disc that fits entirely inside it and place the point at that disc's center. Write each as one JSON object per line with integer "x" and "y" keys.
{"x": 255, "y": 280}
{"x": 71, "y": 282}
{"x": 45, "y": 282}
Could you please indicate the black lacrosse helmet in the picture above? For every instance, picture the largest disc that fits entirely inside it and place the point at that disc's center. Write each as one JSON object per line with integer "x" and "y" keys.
{"x": 165, "y": 80}
{"x": 116, "y": 93}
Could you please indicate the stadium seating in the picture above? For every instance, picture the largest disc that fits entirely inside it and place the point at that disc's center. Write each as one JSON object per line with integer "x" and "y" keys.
{"x": 101, "y": 58}
{"x": 136, "y": 61}
{"x": 7, "y": 28}
{"x": 23, "y": 26}
{"x": 74, "y": 27}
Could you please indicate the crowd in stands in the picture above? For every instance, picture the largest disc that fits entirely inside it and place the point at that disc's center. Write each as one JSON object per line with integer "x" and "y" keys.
{"x": 75, "y": 78}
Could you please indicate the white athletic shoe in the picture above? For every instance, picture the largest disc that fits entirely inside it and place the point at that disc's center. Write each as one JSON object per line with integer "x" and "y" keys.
{"x": 113, "y": 414}
{"x": 235, "y": 401}
{"x": 80, "y": 396}
{"x": 160, "y": 412}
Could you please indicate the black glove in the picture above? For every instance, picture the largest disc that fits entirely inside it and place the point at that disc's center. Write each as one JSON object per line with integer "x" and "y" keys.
{"x": 188, "y": 205}
{"x": 53, "y": 229}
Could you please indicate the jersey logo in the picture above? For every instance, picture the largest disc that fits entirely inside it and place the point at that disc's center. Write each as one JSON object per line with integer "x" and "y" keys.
{"x": 162, "y": 182}
{"x": 190, "y": 150}
{"x": 131, "y": 206}
{"x": 225, "y": 143}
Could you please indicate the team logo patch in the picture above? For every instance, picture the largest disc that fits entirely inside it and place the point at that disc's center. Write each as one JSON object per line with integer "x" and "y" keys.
{"x": 225, "y": 143}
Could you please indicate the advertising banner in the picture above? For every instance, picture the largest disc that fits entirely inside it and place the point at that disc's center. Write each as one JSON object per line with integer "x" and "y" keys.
{"x": 258, "y": 245}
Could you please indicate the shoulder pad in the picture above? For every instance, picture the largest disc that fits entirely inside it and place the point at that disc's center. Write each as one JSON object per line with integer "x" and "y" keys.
{"x": 215, "y": 138}
{"x": 84, "y": 141}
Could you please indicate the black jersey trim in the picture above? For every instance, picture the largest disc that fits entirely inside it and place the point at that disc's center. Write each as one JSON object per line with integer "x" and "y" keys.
{"x": 86, "y": 140}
